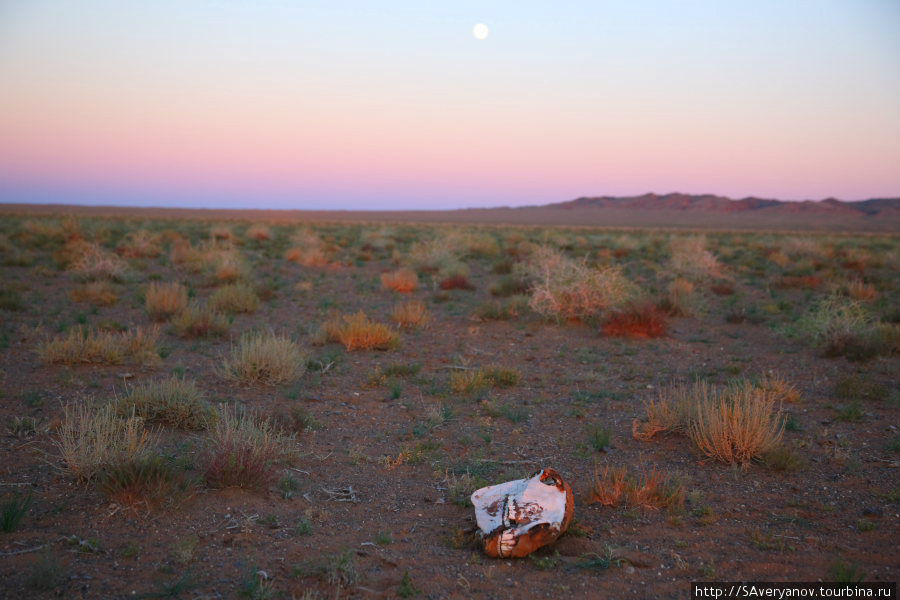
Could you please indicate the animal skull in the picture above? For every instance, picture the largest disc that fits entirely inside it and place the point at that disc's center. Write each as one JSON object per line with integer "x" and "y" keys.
{"x": 518, "y": 517}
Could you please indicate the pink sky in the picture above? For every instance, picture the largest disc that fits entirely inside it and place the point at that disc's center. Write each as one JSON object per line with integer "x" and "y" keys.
{"x": 106, "y": 102}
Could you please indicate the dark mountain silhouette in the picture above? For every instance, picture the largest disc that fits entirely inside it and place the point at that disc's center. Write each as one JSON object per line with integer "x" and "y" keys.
{"x": 723, "y": 204}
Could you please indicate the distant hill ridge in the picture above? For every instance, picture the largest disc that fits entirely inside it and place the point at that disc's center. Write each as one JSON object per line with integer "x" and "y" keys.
{"x": 719, "y": 204}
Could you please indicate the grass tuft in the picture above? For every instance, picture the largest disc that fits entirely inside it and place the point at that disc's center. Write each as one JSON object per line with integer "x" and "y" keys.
{"x": 266, "y": 358}
{"x": 162, "y": 300}
{"x": 175, "y": 401}
{"x": 80, "y": 346}
{"x": 244, "y": 451}
{"x": 358, "y": 332}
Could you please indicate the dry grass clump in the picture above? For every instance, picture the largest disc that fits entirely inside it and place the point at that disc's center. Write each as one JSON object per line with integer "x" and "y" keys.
{"x": 266, "y": 358}
{"x": 91, "y": 440}
{"x": 244, "y": 451}
{"x": 682, "y": 298}
{"x": 780, "y": 390}
{"x": 456, "y": 282}
{"x": 466, "y": 243}
{"x": 651, "y": 490}
{"x": 199, "y": 320}
{"x": 227, "y": 265}
{"x": 358, "y": 332}
{"x": 83, "y": 346}
{"x": 162, "y": 300}
{"x": 175, "y": 401}
{"x": 410, "y": 315}
{"x": 734, "y": 425}
{"x": 502, "y": 310}
{"x": 472, "y": 381}
{"x": 308, "y": 249}
{"x": 99, "y": 293}
{"x": 843, "y": 327}
{"x": 186, "y": 255}
{"x": 641, "y": 321}
{"x": 222, "y": 233}
{"x": 432, "y": 255}
{"x": 403, "y": 281}
{"x": 862, "y": 291}
{"x": 259, "y": 232}
{"x": 147, "y": 479}
{"x": 780, "y": 258}
{"x": 140, "y": 244}
{"x": 313, "y": 257}
{"x": 234, "y": 298}
{"x": 563, "y": 288}
{"x": 738, "y": 426}
{"x": 691, "y": 259}
{"x": 91, "y": 261}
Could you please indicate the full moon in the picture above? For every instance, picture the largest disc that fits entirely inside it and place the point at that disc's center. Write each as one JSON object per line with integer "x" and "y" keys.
{"x": 480, "y": 31}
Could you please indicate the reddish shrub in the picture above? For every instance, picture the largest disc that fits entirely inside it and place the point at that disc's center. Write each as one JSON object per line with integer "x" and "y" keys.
{"x": 457, "y": 282}
{"x": 722, "y": 289}
{"x": 645, "y": 321}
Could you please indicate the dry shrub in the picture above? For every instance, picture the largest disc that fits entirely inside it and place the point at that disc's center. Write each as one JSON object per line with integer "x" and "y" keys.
{"x": 308, "y": 249}
{"x": 91, "y": 261}
{"x": 642, "y": 321}
{"x": 146, "y": 479}
{"x": 432, "y": 255}
{"x": 672, "y": 410}
{"x": 313, "y": 257}
{"x": 682, "y": 298}
{"x": 651, "y": 490}
{"x": 737, "y": 426}
{"x": 610, "y": 488}
{"x": 779, "y": 389}
{"x": 843, "y": 327}
{"x": 91, "y": 440}
{"x": 79, "y": 346}
{"x": 234, "y": 298}
{"x": 471, "y": 381}
{"x": 99, "y": 293}
{"x": 175, "y": 401}
{"x": 222, "y": 233}
{"x": 162, "y": 300}
{"x": 562, "y": 288}
{"x": 456, "y": 282}
{"x": 227, "y": 264}
{"x": 358, "y": 332}
{"x": 140, "y": 244}
{"x": 185, "y": 255}
{"x": 266, "y": 358}
{"x": 244, "y": 451}
{"x": 691, "y": 259}
{"x": 502, "y": 310}
{"x": 403, "y": 281}
{"x": 259, "y": 232}
{"x": 198, "y": 320}
{"x": 806, "y": 247}
{"x": 654, "y": 491}
{"x": 862, "y": 291}
{"x": 410, "y": 315}
{"x": 780, "y": 258}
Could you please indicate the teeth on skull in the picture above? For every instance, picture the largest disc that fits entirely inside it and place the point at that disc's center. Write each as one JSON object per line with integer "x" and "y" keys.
{"x": 507, "y": 542}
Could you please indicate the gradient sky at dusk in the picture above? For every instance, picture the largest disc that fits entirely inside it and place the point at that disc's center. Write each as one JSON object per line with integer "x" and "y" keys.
{"x": 293, "y": 104}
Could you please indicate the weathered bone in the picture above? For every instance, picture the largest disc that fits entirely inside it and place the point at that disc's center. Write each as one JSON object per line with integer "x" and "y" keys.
{"x": 518, "y": 517}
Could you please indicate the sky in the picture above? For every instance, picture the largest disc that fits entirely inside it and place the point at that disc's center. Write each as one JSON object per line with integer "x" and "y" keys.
{"x": 396, "y": 105}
